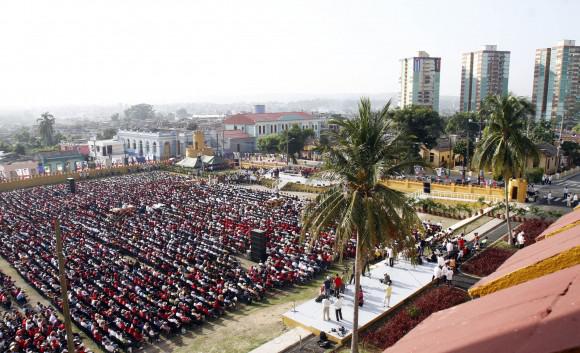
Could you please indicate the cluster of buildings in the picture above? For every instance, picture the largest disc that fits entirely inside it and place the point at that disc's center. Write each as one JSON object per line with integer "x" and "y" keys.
{"x": 556, "y": 90}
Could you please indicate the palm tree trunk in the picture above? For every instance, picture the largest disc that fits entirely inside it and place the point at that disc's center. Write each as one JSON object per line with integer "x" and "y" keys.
{"x": 507, "y": 211}
{"x": 357, "y": 271}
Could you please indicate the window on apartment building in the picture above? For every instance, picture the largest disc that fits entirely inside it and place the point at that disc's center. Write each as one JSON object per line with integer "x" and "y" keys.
{"x": 431, "y": 157}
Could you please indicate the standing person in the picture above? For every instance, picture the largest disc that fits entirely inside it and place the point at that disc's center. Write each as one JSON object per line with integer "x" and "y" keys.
{"x": 325, "y": 309}
{"x": 360, "y": 297}
{"x": 549, "y": 197}
{"x": 327, "y": 284}
{"x": 550, "y": 179}
{"x": 521, "y": 239}
{"x": 367, "y": 266}
{"x": 337, "y": 285}
{"x": 351, "y": 275}
{"x": 569, "y": 201}
{"x": 390, "y": 253}
{"x": 388, "y": 293}
{"x": 575, "y": 200}
{"x": 565, "y": 192}
{"x": 449, "y": 276}
{"x": 436, "y": 275}
{"x": 338, "y": 308}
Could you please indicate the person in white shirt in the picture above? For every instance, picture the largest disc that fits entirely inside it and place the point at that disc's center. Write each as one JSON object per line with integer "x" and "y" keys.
{"x": 325, "y": 309}
{"x": 390, "y": 254}
{"x": 521, "y": 239}
{"x": 565, "y": 192}
{"x": 436, "y": 275}
{"x": 338, "y": 308}
{"x": 549, "y": 197}
{"x": 449, "y": 247}
{"x": 449, "y": 275}
{"x": 575, "y": 200}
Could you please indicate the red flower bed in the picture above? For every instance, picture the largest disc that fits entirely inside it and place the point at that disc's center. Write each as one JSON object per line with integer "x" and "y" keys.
{"x": 412, "y": 314}
{"x": 532, "y": 228}
{"x": 487, "y": 261}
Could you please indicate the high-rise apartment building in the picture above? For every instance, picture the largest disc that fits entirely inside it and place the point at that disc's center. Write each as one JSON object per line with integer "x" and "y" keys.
{"x": 420, "y": 81}
{"x": 483, "y": 73}
{"x": 556, "y": 91}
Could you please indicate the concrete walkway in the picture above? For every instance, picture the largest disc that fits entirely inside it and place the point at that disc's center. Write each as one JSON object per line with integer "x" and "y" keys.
{"x": 284, "y": 341}
{"x": 483, "y": 229}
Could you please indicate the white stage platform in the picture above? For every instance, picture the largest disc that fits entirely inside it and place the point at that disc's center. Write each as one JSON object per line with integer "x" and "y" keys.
{"x": 407, "y": 279}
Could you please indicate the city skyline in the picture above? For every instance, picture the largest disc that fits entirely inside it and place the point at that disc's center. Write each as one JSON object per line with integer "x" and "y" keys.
{"x": 66, "y": 52}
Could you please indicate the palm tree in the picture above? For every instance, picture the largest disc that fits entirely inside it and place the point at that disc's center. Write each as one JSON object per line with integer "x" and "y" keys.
{"x": 46, "y": 127}
{"x": 505, "y": 148}
{"x": 363, "y": 151}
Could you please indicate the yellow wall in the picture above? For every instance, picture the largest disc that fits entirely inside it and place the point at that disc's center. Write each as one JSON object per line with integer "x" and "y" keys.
{"x": 412, "y": 186}
{"x": 60, "y": 178}
{"x": 548, "y": 164}
{"x": 440, "y": 158}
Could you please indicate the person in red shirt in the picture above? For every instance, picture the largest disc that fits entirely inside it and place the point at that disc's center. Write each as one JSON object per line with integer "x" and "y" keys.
{"x": 337, "y": 285}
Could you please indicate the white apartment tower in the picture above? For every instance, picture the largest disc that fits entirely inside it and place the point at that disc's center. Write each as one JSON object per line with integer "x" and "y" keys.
{"x": 420, "y": 81}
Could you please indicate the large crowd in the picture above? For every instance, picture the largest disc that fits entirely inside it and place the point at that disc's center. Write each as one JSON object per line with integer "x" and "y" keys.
{"x": 153, "y": 254}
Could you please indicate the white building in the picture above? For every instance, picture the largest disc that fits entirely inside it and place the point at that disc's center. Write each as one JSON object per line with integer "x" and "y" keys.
{"x": 155, "y": 145}
{"x": 107, "y": 152}
{"x": 420, "y": 81}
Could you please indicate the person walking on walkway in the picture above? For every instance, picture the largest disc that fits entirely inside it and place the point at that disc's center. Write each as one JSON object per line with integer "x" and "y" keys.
{"x": 565, "y": 192}
{"x": 391, "y": 255}
{"x": 325, "y": 309}
{"x": 575, "y": 200}
{"x": 338, "y": 308}
{"x": 388, "y": 293}
{"x": 549, "y": 197}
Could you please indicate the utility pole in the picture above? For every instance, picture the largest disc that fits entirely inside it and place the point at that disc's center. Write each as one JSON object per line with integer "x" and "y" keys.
{"x": 63, "y": 287}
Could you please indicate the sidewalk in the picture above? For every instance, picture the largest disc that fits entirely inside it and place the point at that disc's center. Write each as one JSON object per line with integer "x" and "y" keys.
{"x": 284, "y": 341}
{"x": 483, "y": 229}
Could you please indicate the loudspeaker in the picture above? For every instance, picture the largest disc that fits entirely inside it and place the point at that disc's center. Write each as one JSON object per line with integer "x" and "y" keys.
{"x": 258, "y": 245}
{"x": 72, "y": 188}
{"x": 427, "y": 187}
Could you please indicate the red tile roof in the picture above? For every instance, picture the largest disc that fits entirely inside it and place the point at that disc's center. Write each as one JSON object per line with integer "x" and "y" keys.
{"x": 539, "y": 251}
{"x": 251, "y": 118}
{"x": 541, "y": 315}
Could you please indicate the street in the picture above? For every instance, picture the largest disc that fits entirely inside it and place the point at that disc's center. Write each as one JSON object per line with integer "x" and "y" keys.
{"x": 557, "y": 189}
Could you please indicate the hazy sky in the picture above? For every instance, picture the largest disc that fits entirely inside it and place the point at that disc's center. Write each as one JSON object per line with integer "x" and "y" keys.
{"x": 82, "y": 52}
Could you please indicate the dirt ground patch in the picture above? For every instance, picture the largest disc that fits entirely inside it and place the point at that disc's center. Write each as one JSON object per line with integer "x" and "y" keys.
{"x": 245, "y": 329}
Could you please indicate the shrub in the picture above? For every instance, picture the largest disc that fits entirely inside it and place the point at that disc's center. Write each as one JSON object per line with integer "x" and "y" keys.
{"x": 534, "y": 175}
{"x": 412, "y": 314}
{"x": 487, "y": 261}
{"x": 532, "y": 228}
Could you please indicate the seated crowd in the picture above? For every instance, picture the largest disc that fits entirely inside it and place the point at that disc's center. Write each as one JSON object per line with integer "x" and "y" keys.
{"x": 151, "y": 254}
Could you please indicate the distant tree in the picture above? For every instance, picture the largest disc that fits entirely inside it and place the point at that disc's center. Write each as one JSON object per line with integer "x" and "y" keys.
{"x": 460, "y": 148}
{"x": 572, "y": 151}
{"x": 23, "y": 136}
{"x": 4, "y": 147}
{"x": 46, "y": 129}
{"x": 20, "y": 149}
{"x": 115, "y": 117}
{"x": 542, "y": 132}
{"x": 182, "y": 113}
{"x": 269, "y": 143}
{"x": 459, "y": 124}
{"x": 140, "y": 112}
{"x": 191, "y": 126}
{"x": 107, "y": 134}
{"x": 294, "y": 139}
{"x": 419, "y": 124}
